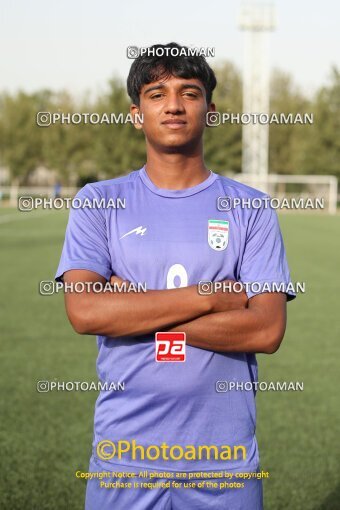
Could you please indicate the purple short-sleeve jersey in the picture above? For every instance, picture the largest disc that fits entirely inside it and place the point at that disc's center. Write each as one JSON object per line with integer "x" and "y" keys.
{"x": 160, "y": 234}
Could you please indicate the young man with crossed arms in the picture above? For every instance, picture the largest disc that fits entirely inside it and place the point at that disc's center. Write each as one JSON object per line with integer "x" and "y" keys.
{"x": 172, "y": 235}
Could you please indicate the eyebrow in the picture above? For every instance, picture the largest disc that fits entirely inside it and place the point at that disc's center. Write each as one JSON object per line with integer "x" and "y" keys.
{"x": 184, "y": 86}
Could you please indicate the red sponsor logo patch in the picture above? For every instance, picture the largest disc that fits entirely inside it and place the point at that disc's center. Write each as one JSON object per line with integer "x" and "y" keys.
{"x": 170, "y": 346}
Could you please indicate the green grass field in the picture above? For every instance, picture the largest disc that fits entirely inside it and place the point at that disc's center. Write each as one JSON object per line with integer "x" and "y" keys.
{"x": 46, "y": 437}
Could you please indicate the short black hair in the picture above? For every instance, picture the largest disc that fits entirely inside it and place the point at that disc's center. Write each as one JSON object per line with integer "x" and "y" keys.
{"x": 149, "y": 67}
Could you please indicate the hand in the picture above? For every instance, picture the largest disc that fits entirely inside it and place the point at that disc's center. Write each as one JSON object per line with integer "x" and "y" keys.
{"x": 116, "y": 280}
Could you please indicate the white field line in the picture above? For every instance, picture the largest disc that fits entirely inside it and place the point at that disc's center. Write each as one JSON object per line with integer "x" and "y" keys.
{"x": 8, "y": 218}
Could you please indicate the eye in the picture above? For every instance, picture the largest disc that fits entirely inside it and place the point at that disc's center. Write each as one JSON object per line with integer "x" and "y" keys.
{"x": 156, "y": 96}
{"x": 193, "y": 95}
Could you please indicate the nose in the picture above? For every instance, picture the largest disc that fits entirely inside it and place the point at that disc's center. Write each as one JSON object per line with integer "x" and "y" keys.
{"x": 174, "y": 104}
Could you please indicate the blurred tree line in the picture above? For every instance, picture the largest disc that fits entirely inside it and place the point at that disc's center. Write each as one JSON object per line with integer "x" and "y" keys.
{"x": 98, "y": 151}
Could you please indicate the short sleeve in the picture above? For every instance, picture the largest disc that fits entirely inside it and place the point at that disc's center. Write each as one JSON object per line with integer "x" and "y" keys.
{"x": 86, "y": 244}
{"x": 264, "y": 265}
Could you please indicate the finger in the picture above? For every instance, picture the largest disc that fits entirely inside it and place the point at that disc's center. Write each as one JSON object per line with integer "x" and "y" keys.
{"x": 116, "y": 279}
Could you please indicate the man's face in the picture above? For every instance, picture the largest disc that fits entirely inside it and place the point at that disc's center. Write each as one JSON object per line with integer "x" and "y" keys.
{"x": 174, "y": 113}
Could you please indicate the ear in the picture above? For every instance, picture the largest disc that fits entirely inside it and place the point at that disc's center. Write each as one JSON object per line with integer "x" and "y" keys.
{"x": 212, "y": 117}
{"x": 136, "y": 116}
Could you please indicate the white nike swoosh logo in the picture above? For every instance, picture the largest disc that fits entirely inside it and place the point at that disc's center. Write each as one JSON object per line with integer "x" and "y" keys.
{"x": 138, "y": 230}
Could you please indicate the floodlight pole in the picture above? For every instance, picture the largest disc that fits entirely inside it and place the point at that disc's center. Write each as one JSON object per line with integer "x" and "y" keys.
{"x": 257, "y": 20}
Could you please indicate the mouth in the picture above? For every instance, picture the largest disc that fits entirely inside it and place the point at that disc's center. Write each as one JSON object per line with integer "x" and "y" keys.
{"x": 174, "y": 123}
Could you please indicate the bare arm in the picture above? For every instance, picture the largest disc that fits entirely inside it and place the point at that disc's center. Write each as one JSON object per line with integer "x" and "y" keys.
{"x": 258, "y": 328}
{"x": 122, "y": 314}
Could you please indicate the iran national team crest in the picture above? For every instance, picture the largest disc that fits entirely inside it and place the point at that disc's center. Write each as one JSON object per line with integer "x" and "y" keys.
{"x": 218, "y": 234}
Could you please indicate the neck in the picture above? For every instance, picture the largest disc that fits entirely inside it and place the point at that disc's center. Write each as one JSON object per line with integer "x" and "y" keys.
{"x": 176, "y": 171}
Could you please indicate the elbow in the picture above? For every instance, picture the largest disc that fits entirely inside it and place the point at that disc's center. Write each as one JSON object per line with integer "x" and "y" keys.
{"x": 81, "y": 322}
{"x": 271, "y": 347}
{"x": 86, "y": 321}
{"x": 80, "y": 327}
{"x": 273, "y": 339}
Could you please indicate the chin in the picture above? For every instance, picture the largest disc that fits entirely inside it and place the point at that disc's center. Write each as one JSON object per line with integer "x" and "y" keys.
{"x": 176, "y": 142}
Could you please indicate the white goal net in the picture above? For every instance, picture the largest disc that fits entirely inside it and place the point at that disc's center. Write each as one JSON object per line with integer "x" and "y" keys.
{"x": 296, "y": 192}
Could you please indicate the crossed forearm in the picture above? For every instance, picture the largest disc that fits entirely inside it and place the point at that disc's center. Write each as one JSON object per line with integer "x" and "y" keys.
{"x": 133, "y": 314}
{"x": 258, "y": 328}
{"x": 224, "y": 322}
{"x": 233, "y": 331}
